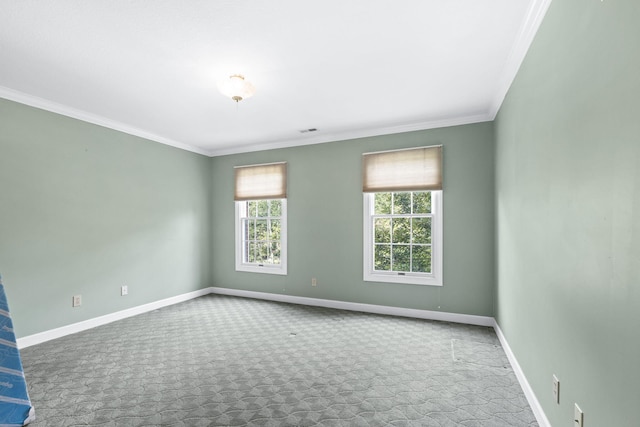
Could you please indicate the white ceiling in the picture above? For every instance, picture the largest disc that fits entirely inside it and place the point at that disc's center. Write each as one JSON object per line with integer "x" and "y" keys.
{"x": 349, "y": 68}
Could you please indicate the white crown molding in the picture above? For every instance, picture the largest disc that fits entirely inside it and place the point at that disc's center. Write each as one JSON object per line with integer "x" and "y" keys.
{"x": 538, "y": 412}
{"x": 107, "y": 318}
{"x": 362, "y": 133}
{"x": 44, "y": 104}
{"x": 468, "y": 319}
{"x": 534, "y": 18}
{"x": 54, "y": 107}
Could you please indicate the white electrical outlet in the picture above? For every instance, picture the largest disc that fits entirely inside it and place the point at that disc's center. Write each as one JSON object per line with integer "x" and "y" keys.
{"x": 313, "y": 281}
{"x": 124, "y": 290}
{"x": 556, "y": 389}
{"x": 77, "y": 301}
{"x": 578, "y": 417}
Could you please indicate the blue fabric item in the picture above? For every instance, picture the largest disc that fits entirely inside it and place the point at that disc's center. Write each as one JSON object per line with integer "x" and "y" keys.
{"x": 15, "y": 405}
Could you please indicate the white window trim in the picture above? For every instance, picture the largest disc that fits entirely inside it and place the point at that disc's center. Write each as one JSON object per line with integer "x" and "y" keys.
{"x": 262, "y": 268}
{"x": 434, "y": 278}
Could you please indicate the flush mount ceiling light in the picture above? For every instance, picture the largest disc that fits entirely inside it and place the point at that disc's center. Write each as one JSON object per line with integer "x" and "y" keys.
{"x": 237, "y": 88}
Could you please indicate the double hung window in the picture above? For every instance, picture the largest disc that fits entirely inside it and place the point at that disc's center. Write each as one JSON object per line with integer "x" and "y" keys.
{"x": 261, "y": 218}
{"x": 403, "y": 216}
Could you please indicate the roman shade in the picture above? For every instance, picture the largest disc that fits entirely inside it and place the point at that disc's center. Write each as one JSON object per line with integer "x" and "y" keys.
{"x": 413, "y": 169}
{"x": 266, "y": 181}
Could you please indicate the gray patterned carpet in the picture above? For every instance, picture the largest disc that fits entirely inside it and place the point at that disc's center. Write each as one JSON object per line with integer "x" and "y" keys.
{"x": 218, "y": 360}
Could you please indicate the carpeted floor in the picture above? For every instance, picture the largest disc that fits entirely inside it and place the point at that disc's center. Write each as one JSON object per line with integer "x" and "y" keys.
{"x": 218, "y": 360}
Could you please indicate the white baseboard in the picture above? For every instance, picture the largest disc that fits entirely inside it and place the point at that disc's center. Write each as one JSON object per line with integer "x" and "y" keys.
{"x": 107, "y": 318}
{"x": 522, "y": 379}
{"x": 367, "y": 308}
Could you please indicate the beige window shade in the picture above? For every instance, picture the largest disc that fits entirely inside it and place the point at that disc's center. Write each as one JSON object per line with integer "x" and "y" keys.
{"x": 267, "y": 181}
{"x": 413, "y": 169}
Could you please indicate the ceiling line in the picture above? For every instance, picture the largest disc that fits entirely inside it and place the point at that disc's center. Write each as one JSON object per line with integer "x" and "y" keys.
{"x": 54, "y": 107}
{"x": 518, "y": 52}
{"x": 354, "y": 134}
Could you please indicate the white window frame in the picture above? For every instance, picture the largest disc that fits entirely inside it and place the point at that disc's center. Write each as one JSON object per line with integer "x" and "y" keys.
{"x": 432, "y": 279}
{"x": 256, "y": 267}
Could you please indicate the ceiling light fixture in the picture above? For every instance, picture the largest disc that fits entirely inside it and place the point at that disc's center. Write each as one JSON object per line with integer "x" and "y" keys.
{"x": 237, "y": 88}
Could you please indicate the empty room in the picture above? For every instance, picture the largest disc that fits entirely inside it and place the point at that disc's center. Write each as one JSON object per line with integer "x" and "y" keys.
{"x": 306, "y": 213}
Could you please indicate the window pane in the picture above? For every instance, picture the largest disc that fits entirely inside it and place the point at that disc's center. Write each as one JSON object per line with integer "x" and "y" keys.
{"x": 262, "y": 252}
{"x": 401, "y": 203}
{"x": 249, "y": 226}
{"x": 276, "y": 207}
{"x": 422, "y": 202}
{"x": 274, "y": 231}
{"x": 382, "y": 257}
{"x": 401, "y": 232}
{"x": 275, "y": 252}
{"x": 261, "y": 229}
{"x": 382, "y": 203}
{"x": 383, "y": 230}
{"x": 263, "y": 208}
{"x": 251, "y": 211}
{"x": 401, "y": 257}
{"x": 251, "y": 256}
{"x": 421, "y": 230}
{"x": 421, "y": 259}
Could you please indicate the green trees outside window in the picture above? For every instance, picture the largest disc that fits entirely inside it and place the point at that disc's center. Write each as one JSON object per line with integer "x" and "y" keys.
{"x": 402, "y": 223}
{"x": 261, "y": 222}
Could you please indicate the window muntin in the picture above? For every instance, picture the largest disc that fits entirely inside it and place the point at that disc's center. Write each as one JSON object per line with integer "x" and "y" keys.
{"x": 403, "y": 237}
{"x": 261, "y": 236}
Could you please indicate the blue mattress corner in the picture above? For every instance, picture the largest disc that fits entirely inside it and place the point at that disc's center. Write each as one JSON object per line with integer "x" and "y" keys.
{"x": 15, "y": 405}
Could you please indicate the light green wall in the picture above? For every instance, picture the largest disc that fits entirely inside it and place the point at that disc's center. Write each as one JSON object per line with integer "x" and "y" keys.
{"x": 325, "y": 222}
{"x": 568, "y": 212}
{"x": 84, "y": 210}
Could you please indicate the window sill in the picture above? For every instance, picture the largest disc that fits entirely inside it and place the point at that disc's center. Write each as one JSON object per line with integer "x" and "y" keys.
{"x": 403, "y": 279}
{"x": 253, "y": 268}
